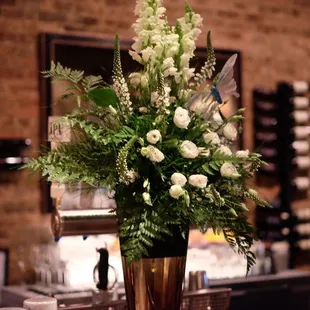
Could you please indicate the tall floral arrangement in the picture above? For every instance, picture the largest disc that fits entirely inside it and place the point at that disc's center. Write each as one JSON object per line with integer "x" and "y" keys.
{"x": 158, "y": 143}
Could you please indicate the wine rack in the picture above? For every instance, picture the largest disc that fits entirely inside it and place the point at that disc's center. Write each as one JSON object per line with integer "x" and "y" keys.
{"x": 281, "y": 132}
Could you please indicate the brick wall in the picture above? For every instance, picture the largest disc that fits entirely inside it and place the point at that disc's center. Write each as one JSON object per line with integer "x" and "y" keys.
{"x": 273, "y": 35}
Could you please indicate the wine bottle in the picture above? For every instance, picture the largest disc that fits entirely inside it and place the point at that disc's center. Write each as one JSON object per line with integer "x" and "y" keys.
{"x": 265, "y": 122}
{"x": 300, "y": 87}
{"x": 300, "y": 147}
{"x": 300, "y": 102}
{"x": 301, "y": 183}
{"x": 300, "y": 117}
{"x": 265, "y": 137}
{"x": 300, "y": 132}
{"x": 301, "y": 162}
{"x": 269, "y": 152}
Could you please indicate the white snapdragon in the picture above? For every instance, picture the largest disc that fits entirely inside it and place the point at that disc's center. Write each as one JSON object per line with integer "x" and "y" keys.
{"x": 181, "y": 118}
{"x": 242, "y": 154}
{"x": 153, "y": 136}
{"x": 230, "y": 132}
{"x": 189, "y": 149}
{"x": 135, "y": 56}
{"x": 152, "y": 153}
{"x": 225, "y": 150}
{"x": 198, "y": 180}
{"x": 178, "y": 179}
{"x": 211, "y": 137}
{"x": 176, "y": 191}
{"x": 228, "y": 170}
{"x": 148, "y": 54}
{"x": 184, "y": 60}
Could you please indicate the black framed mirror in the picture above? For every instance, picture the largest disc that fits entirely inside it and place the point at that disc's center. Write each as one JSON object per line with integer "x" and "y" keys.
{"x": 95, "y": 57}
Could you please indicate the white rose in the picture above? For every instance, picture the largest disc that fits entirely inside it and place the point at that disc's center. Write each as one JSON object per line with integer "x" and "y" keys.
{"x": 176, "y": 191}
{"x": 198, "y": 180}
{"x": 153, "y": 136}
{"x": 228, "y": 170}
{"x": 154, "y": 154}
{"x": 189, "y": 149}
{"x": 225, "y": 150}
{"x": 181, "y": 118}
{"x": 211, "y": 137}
{"x": 217, "y": 119}
{"x": 230, "y": 132}
{"x": 135, "y": 78}
{"x": 242, "y": 154}
{"x": 178, "y": 179}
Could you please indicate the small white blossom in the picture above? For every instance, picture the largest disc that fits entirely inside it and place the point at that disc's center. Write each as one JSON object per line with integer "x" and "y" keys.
{"x": 153, "y": 136}
{"x": 178, "y": 179}
{"x": 252, "y": 191}
{"x": 143, "y": 110}
{"x": 189, "y": 149}
{"x": 198, "y": 180}
{"x": 211, "y": 137}
{"x": 152, "y": 153}
{"x": 228, "y": 170}
{"x": 242, "y": 154}
{"x": 225, "y": 150}
{"x": 176, "y": 191}
{"x": 184, "y": 60}
{"x": 230, "y": 132}
{"x": 181, "y": 118}
{"x": 147, "y": 198}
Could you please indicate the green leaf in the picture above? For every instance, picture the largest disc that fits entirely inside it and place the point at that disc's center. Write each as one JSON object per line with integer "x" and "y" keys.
{"x": 104, "y": 97}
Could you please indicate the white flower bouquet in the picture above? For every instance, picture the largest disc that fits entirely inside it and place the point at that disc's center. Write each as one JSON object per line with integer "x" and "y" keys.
{"x": 160, "y": 145}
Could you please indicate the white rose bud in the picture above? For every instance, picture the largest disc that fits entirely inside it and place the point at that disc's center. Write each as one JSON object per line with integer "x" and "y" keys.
{"x": 198, "y": 180}
{"x": 153, "y": 136}
{"x": 228, "y": 170}
{"x": 154, "y": 154}
{"x": 178, "y": 179}
{"x": 189, "y": 149}
{"x": 144, "y": 81}
{"x": 225, "y": 150}
{"x": 252, "y": 191}
{"x": 217, "y": 119}
{"x": 230, "y": 132}
{"x": 176, "y": 191}
{"x": 204, "y": 152}
{"x": 181, "y": 118}
{"x": 242, "y": 154}
{"x": 211, "y": 137}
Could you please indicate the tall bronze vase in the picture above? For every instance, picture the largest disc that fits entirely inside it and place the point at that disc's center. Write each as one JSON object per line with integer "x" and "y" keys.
{"x": 155, "y": 282}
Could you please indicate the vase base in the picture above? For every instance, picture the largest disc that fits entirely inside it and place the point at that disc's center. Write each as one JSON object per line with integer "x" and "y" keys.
{"x": 154, "y": 283}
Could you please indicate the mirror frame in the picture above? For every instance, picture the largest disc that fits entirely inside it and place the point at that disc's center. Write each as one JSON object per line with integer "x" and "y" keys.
{"x": 47, "y": 53}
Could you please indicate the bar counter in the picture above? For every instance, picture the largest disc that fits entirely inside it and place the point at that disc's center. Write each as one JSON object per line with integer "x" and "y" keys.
{"x": 284, "y": 291}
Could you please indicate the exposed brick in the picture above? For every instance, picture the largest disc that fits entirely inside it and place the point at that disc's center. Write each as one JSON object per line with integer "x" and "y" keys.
{"x": 52, "y": 16}
{"x": 7, "y": 2}
{"x": 89, "y": 21}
